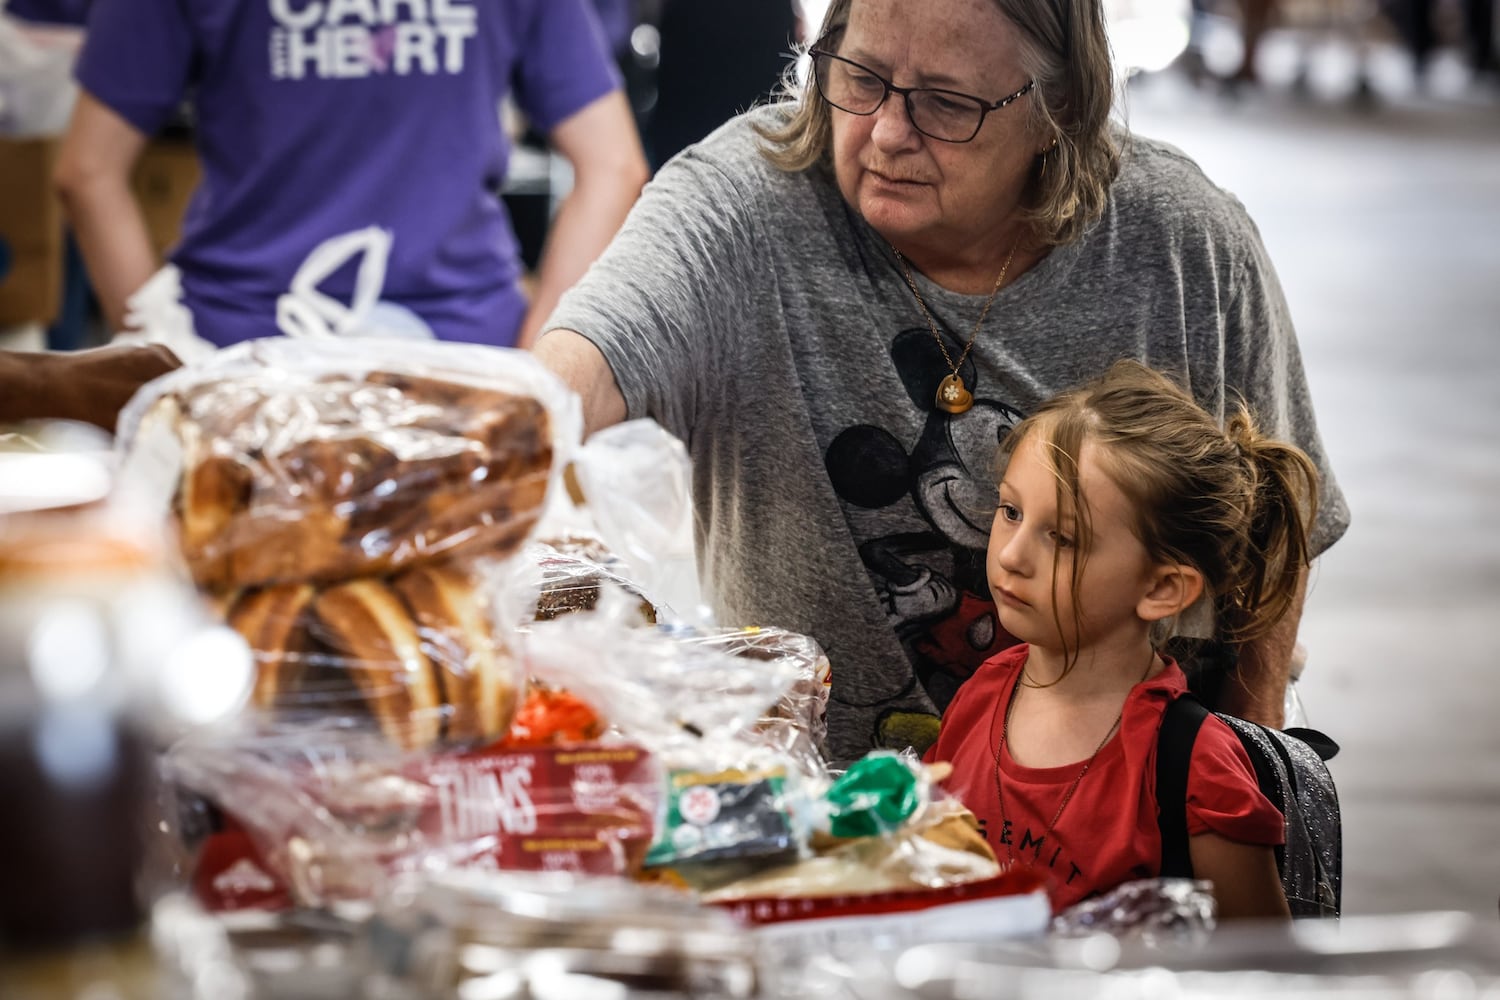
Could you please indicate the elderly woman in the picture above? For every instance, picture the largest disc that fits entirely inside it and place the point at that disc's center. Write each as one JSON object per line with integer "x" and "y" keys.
{"x": 841, "y": 303}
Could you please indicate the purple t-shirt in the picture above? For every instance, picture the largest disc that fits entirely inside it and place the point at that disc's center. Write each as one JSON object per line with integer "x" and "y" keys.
{"x": 618, "y": 19}
{"x": 319, "y": 117}
{"x": 48, "y": 11}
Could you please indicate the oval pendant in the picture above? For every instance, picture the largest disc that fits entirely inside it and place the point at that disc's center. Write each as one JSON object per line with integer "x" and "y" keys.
{"x": 952, "y": 397}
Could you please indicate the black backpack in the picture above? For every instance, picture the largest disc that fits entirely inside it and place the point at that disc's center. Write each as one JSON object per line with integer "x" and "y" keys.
{"x": 1291, "y": 770}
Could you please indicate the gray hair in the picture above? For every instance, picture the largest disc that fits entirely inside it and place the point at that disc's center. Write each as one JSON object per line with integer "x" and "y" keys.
{"x": 1065, "y": 50}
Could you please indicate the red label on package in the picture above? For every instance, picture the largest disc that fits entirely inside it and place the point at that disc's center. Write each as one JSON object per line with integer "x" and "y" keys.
{"x": 589, "y": 809}
{"x": 232, "y": 875}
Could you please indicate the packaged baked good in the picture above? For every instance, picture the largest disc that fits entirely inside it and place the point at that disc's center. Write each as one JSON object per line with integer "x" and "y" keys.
{"x": 311, "y": 815}
{"x": 731, "y": 796}
{"x": 416, "y": 653}
{"x": 345, "y": 504}
{"x": 628, "y": 510}
{"x": 797, "y": 722}
{"x": 573, "y": 567}
{"x": 288, "y": 461}
{"x": 552, "y": 716}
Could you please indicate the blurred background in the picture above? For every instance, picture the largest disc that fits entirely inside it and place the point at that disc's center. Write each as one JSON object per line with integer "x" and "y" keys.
{"x": 1364, "y": 138}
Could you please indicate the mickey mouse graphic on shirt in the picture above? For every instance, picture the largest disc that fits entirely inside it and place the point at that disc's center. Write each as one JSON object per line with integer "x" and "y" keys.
{"x": 931, "y": 581}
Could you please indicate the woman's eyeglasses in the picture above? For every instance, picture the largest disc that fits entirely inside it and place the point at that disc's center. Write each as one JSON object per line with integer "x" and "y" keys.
{"x": 945, "y": 115}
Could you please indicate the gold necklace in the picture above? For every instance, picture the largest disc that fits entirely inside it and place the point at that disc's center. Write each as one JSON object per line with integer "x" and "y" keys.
{"x": 1051, "y": 830}
{"x": 952, "y": 395}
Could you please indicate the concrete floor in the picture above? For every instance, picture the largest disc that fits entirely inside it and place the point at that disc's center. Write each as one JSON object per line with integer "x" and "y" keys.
{"x": 1384, "y": 223}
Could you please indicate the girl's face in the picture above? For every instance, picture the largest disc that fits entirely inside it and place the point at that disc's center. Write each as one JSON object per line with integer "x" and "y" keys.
{"x": 1029, "y": 531}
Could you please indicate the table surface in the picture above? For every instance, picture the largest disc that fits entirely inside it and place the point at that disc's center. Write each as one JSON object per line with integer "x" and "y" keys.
{"x": 124, "y": 969}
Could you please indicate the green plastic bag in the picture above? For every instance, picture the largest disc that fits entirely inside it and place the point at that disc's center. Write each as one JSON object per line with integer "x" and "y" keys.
{"x": 875, "y": 796}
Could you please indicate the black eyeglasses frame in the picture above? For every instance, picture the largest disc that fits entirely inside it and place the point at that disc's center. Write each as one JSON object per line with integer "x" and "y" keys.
{"x": 984, "y": 106}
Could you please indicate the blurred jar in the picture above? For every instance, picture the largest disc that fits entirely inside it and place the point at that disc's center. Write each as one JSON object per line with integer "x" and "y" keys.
{"x": 105, "y": 653}
{"x": 552, "y": 936}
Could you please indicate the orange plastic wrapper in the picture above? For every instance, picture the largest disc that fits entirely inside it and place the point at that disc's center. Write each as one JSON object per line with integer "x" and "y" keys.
{"x": 549, "y": 716}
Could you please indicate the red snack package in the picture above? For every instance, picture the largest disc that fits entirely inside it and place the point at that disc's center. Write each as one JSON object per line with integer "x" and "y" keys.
{"x": 590, "y": 809}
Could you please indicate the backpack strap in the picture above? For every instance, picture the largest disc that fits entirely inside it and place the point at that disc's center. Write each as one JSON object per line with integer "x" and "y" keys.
{"x": 1174, "y": 753}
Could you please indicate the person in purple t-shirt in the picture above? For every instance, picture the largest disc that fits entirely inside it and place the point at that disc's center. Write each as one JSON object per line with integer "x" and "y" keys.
{"x": 319, "y": 117}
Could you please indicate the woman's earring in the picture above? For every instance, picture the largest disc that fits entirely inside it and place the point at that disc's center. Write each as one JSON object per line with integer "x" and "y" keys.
{"x": 1044, "y": 156}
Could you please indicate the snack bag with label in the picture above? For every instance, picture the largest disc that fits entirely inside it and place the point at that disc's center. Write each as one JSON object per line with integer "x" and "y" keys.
{"x": 307, "y": 816}
{"x": 729, "y": 796}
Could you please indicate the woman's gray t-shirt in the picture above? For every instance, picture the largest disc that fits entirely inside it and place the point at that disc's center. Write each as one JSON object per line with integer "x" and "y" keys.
{"x": 755, "y": 316}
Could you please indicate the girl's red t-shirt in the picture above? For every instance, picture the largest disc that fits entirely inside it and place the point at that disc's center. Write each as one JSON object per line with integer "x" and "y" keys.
{"x": 1108, "y": 832}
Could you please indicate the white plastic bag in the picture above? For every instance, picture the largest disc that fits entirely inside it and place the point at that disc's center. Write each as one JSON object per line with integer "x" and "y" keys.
{"x": 156, "y": 314}
{"x": 36, "y": 78}
{"x": 307, "y": 312}
{"x": 636, "y": 480}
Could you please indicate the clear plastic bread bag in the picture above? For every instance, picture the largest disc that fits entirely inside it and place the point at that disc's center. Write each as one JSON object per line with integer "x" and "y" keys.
{"x": 280, "y": 815}
{"x": 731, "y": 794}
{"x": 884, "y": 825}
{"x": 344, "y": 504}
{"x": 797, "y": 722}
{"x": 630, "y": 491}
{"x": 319, "y": 461}
{"x": 291, "y": 812}
{"x": 422, "y": 655}
{"x": 571, "y": 567}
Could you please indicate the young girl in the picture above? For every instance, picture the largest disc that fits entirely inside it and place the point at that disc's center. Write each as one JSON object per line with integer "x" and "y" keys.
{"x": 1120, "y": 504}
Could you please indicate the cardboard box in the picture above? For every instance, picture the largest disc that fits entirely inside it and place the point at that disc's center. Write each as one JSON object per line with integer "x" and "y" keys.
{"x": 31, "y": 228}
{"x": 164, "y": 180}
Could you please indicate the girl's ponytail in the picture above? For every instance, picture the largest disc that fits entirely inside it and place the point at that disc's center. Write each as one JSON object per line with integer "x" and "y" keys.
{"x": 1282, "y": 499}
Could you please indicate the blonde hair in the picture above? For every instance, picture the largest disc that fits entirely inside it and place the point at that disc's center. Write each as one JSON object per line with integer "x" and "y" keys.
{"x": 1228, "y": 501}
{"x": 1065, "y": 50}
